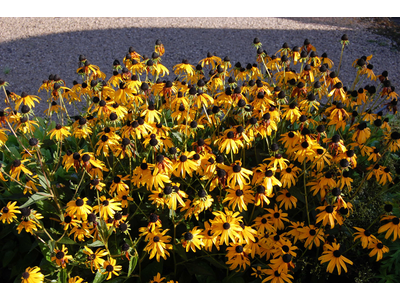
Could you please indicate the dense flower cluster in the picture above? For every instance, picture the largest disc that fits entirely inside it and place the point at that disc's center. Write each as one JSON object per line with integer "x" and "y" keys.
{"x": 262, "y": 163}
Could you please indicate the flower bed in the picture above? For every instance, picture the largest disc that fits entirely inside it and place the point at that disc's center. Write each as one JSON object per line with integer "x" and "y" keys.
{"x": 270, "y": 172}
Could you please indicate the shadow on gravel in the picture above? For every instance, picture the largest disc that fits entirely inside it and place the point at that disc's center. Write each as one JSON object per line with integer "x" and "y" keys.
{"x": 26, "y": 63}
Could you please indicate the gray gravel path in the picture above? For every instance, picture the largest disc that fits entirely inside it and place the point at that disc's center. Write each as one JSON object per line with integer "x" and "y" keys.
{"x": 33, "y": 48}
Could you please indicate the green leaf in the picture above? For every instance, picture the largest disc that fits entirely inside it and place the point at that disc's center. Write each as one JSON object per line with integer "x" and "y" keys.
{"x": 218, "y": 264}
{"x": 99, "y": 277}
{"x": 11, "y": 140}
{"x": 133, "y": 263}
{"x": 67, "y": 240}
{"x": 42, "y": 181}
{"x": 8, "y": 256}
{"x": 45, "y": 251}
{"x": 128, "y": 241}
{"x": 34, "y": 198}
{"x": 15, "y": 152}
{"x": 181, "y": 251}
{"x": 151, "y": 270}
{"x": 178, "y": 136}
{"x": 95, "y": 244}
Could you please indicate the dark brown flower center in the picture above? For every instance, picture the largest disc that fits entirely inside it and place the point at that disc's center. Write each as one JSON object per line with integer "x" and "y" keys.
{"x": 239, "y": 249}
{"x": 60, "y": 255}
{"x": 188, "y": 236}
{"x": 109, "y": 268}
{"x": 337, "y": 253}
{"x": 226, "y": 226}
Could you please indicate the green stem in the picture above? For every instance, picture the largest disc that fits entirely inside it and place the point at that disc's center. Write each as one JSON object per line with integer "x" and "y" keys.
{"x": 340, "y": 61}
{"x": 305, "y": 191}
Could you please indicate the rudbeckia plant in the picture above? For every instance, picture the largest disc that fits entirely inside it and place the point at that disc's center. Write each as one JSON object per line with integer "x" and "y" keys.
{"x": 270, "y": 171}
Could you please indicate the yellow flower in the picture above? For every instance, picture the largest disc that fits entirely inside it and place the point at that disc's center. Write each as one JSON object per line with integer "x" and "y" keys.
{"x": 16, "y": 168}
{"x": 210, "y": 60}
{"x": 79, "y": 208}
{"x": 95, "y": 258}
{"x": 107, "y": 208}
{"x": 32, "y": 275}
{"x": 157, "y": 278}
{"x": 61, "y": 257}
{"x": 184, "y": 165}
{"x": 26, "y": 99}
{"x": 393, "y": 226}
{"x": 237, "y": 256}
{"x": 60, "y": 132}
{"x": 335, "y": 258}
{"x": 378, "y": 249}
{"x": 158, "y": 244}
{"x": 75, "y": 279}
{"x": 227, "y": 226}
{"x": 111, "y": 268}
{"x": 365, "y": 236}
{"x": 8, "y": 212}
{"x": 277, "y": 277}
{"x": 193, "y": 239}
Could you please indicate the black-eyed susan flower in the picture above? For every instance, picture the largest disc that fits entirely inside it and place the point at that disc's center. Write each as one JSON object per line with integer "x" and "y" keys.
{"x": 327, "y": 215}
{"x": 17, "y": 167}
{"x": 158, "y": 245}
{"x": 111, "y": 268}
{"x": 209, "y": 238}
{"x": 210, "y": 60}
{"x": 263, "y": 225}
{"x": 334, "y": 256}
{"x": 81, "y": 231}
{"x": 30, "y": 185}
{"x": 237, "y": 175}
{"x": 227, "y": 226}
{"x": 184, "y": 165}
{"x": 287, "y": 199}
{"x": 378, "y": 249}
{"x": 26, "y": 99}
{"x": 61, "y": 258}
{"x": 75, "y": 279}
{"x": 288, "y": 175}
{"x": 312, "y": 235}
{"x": 107, "y": 207}
{"x": 276, "y": 217}
{"x": 200, "y": 203}
{"x": 261, "y": 196}
{"x": 157, "y": 278}
{"x": 362, "y": 133}
{"x": 79, "y": 208}
{"x": 239, "y": 197}
{"x": 70, "y": 221}
{"x": 275, "y": 276}
{"x": 59, "y": 132}
{"x": 7, "y": 213}
{"x": 118, "y": 184}
{"x": 392, "y": 227}
{"x": 365, "y": 236}
{"x": 258, "y": 272}
{"x": 237, "y": 255}
{"x": 283, "y": 263}
{"x": 193, "y": 239}
{"x": 32, "y": 275}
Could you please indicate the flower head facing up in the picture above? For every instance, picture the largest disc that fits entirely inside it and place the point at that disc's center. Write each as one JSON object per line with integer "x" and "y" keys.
{"x": 61, "y": 258}
{"x": 334, "y": 256}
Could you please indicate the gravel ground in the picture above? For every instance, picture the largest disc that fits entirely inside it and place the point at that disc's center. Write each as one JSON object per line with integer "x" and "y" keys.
{"x": 33, "y": 48}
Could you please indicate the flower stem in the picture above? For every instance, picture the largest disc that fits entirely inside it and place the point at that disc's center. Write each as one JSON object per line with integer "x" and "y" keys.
{"x": 305, "y": 191}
